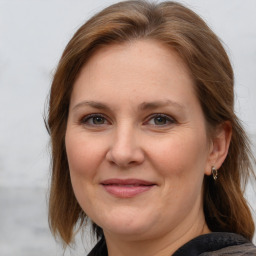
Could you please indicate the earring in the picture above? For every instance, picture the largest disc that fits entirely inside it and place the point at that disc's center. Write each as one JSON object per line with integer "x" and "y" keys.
{"x": 214, "y": 173}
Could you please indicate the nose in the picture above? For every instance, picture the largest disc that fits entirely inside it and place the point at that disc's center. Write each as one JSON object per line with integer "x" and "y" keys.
{"x": 125, "y": 149}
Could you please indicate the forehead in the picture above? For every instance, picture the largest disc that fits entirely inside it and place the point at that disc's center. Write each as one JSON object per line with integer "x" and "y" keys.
{"x": 136, "y": 52}
{"x": 142, "y": 69}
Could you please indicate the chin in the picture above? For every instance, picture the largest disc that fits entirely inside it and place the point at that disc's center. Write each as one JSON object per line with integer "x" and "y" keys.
{"x": 126, "y": 225}
{"x": 128, "y": 233}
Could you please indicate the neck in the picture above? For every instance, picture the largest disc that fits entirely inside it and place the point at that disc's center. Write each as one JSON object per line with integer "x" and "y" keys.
{"x": 162, "y": 245}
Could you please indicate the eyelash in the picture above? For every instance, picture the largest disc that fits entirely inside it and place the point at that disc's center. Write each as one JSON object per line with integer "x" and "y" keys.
{"x": 169, "y": 120}
{"x": 85, "y": 120}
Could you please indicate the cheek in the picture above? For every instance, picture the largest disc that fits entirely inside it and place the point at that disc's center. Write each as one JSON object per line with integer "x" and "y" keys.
{"x": 181, "y": 161}
{"x": 181, "y": 154}
{"x": 83, "y": 156}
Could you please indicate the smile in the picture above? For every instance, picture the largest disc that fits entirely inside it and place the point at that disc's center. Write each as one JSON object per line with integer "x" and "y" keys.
{"x": 126, "y": 188}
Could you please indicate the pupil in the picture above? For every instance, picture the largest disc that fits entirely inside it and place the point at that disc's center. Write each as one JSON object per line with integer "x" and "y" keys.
{"x": 160, "y": 120}
{"x": 98, "y": 120}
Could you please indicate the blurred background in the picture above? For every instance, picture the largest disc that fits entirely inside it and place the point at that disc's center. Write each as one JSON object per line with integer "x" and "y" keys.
{"x": 33, "y": 34}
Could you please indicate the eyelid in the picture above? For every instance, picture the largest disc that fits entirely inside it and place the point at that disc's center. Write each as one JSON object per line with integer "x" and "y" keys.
{"x": 170, "y": 119}
{"x": 85, "y": 119}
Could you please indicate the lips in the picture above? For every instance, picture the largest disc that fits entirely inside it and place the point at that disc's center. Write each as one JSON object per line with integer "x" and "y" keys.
{"x": 126, "y": 188}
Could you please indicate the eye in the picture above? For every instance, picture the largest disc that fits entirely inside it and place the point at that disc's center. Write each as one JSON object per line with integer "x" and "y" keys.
{"x": 160, "y": 120}
{"x": 94, "y": 120}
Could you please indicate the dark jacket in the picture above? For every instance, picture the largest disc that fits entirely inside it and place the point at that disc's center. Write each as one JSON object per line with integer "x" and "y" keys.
{"x": 212, "y": 244}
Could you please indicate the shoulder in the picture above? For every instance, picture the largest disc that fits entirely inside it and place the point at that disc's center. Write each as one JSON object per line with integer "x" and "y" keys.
{"x": 247, "y": 249}
{"x": 100, "y": 249}
{"x": 217, "y": 244}
{"x": 213, "y": 244}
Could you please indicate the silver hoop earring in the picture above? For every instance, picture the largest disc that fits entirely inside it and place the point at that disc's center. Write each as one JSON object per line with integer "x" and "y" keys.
{"x": 214, "y": 173}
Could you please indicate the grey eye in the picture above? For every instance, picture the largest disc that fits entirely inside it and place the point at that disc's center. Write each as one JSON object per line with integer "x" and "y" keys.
{"x": 94, "y": 119}
{"x": 160, "y": 120}
{"x": 98, "y": 120}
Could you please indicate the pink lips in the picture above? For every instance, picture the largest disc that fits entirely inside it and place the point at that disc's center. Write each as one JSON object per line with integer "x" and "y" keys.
{"x": 126, "y": 188}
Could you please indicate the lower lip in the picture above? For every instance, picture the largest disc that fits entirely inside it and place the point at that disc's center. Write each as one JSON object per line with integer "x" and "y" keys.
{"x": 126, "y": 191}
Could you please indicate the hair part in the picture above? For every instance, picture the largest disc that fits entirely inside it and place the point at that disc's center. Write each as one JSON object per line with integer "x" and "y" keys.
{"x": 184, "y": 31}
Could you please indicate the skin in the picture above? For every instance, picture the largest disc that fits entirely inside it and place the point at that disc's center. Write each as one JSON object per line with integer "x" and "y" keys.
{"x": 114, "y": 131}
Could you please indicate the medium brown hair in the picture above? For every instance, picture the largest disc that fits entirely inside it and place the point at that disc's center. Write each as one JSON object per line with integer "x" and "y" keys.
{"x": 180, "y": 29}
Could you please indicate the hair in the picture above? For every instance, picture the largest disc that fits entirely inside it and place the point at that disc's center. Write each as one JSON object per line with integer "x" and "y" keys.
{"x": 178, "y": 28}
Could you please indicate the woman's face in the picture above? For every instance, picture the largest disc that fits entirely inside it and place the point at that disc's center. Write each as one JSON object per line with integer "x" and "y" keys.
{"x": 136, "y": 141}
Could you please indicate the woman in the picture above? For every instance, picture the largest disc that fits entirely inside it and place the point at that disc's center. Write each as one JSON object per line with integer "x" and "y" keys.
{"x": 145, "y": 142}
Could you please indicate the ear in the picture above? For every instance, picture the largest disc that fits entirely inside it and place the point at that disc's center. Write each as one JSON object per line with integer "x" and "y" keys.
{"x": 219, "y": 146}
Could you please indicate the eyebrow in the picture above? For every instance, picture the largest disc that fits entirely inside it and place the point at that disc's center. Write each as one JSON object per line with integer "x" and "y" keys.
{"x": 142, "y": 106}
{"x": 157, "y": 104}
{"x": 93, "y": 104}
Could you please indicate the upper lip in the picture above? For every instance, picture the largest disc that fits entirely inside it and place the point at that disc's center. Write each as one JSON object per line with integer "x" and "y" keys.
{"x": 137, "y": 182}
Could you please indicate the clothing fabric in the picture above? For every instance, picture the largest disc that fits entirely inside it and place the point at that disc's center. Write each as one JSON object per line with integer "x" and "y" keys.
{"x": 217, "y": 244}
{"x": 212, "y": 244}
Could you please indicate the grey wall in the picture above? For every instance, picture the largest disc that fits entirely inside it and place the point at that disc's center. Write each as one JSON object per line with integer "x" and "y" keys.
{"x": 33, "y": 34}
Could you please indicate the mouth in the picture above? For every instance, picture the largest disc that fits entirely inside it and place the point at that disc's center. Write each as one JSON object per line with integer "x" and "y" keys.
{"x": 126, "y": 188}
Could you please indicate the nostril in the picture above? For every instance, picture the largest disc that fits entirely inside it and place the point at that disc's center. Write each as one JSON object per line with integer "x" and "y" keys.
{"x": 125, "y": 150}
{"x": 132, "y": 163}
{"x": 123, "y": 164}
{"x": 125, "y": 159}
